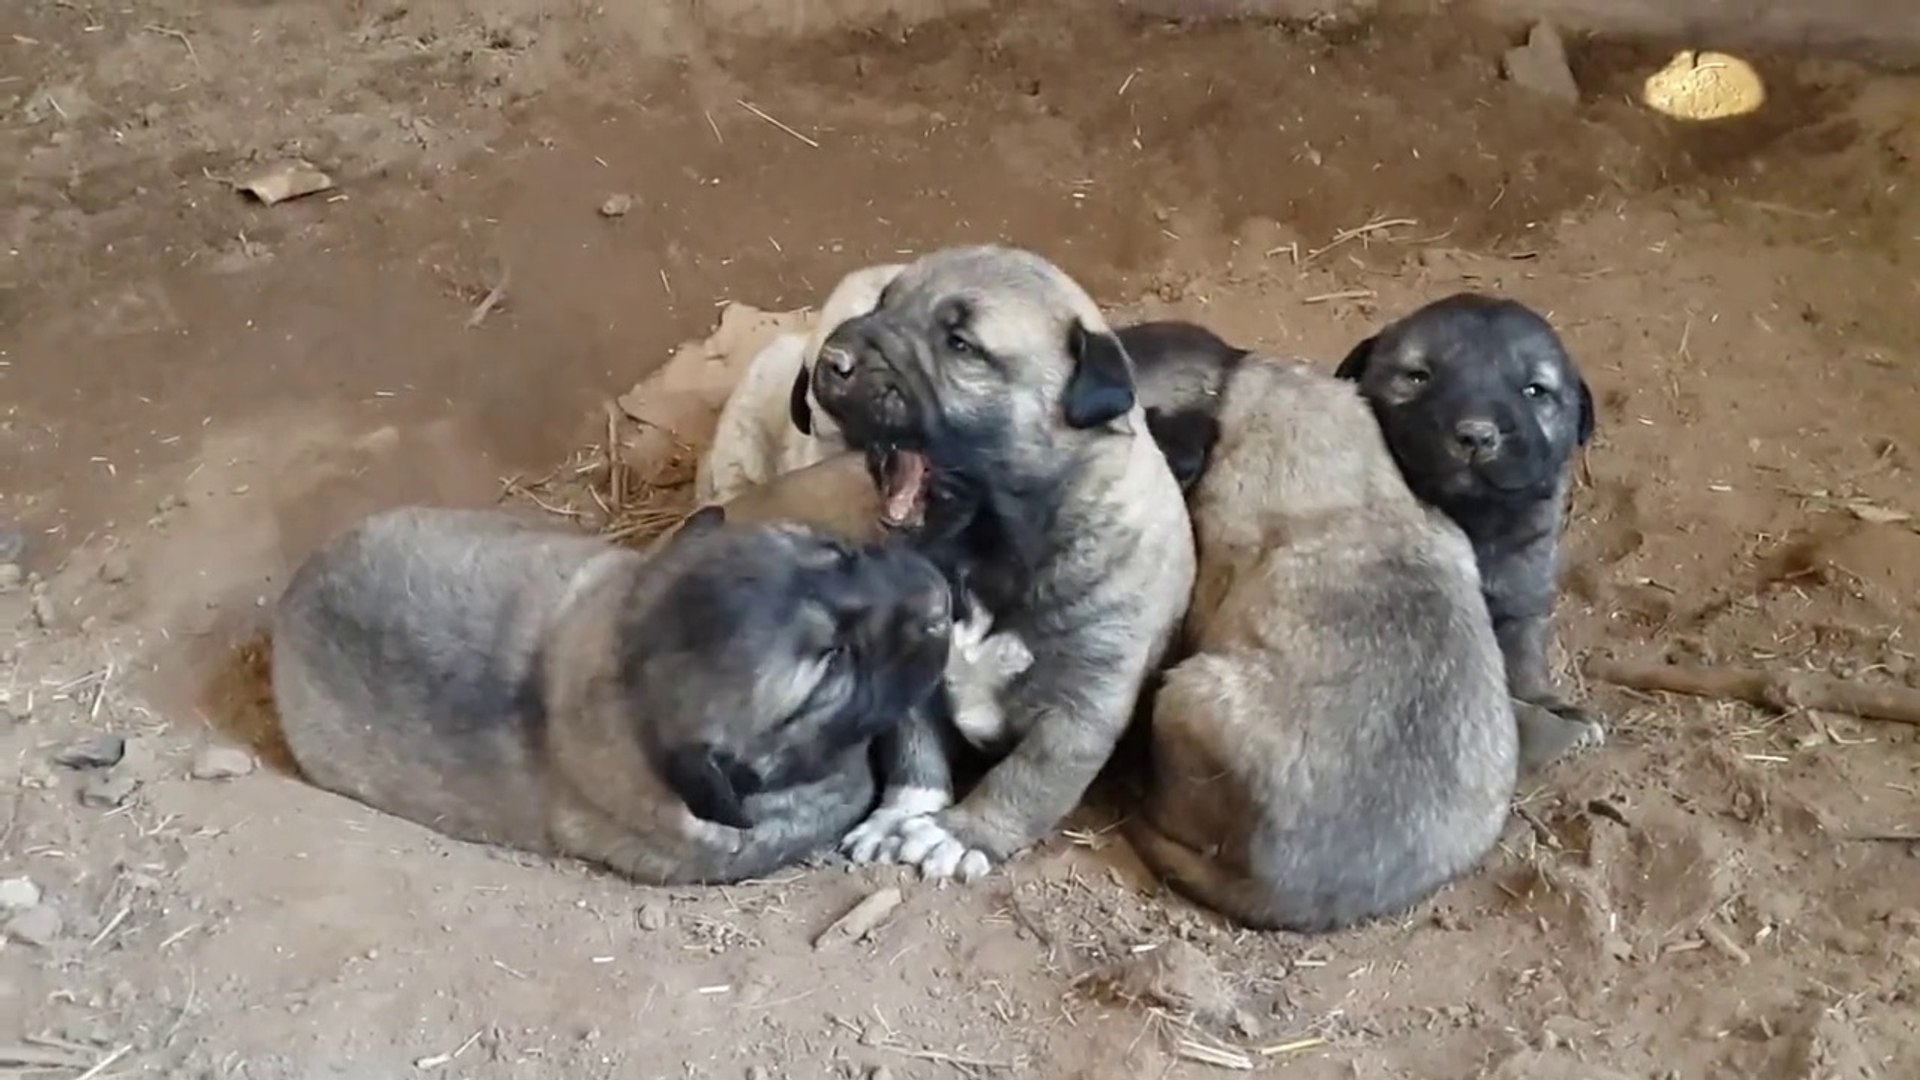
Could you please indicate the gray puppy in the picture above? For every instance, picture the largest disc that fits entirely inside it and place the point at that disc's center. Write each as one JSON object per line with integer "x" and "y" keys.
{"x": 839, "y": 495}
{"x": 1340, "y": 743}
{"x": 702, "y": 713}
{"x": 1484, "y": 411}
{"x": 990, "y": 393}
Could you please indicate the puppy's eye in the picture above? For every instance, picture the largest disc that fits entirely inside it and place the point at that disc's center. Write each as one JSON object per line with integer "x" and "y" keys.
{"x": 958, "y": 343}
{"x": 1417, "y": 376}
{"x": 1534, "y": 390}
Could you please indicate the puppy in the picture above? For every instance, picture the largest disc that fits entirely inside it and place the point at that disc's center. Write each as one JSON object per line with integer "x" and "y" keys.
{"x": 988, "y": 390}
{"x": 839, "y": 495}
{"x": 1180, "y": 370}
{"x": 699, "y": 714}
{"x": 1484, "y": 410}
{"x": 768, "y": 425}
{"x": 1340, "y": 743}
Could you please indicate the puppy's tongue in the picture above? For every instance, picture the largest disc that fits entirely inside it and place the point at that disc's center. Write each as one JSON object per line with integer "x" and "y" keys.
{"x": 906, "y": 476}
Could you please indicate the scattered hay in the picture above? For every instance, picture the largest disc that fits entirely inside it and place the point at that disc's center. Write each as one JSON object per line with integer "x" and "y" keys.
{"x": 635, "y": 483}
{"x": 1176, "y": 978}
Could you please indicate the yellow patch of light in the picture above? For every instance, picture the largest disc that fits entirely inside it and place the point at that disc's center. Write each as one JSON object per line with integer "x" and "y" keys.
{"x": 1704, "y": 86}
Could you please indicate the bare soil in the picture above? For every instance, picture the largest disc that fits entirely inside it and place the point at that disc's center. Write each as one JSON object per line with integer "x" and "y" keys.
{"x": 194, "y": 388}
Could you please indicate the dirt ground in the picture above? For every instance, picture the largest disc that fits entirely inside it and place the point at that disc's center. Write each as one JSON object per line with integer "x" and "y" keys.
{"x": 194, "y": 388}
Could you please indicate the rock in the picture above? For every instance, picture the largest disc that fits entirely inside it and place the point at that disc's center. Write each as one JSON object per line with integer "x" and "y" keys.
{"x": 39, "y": 926}
{"x": 104, "y": 791}
{"x": 616, "y": 206}
{"x": 1541, "y": 65}
{"x": 115, "y": 568}
{"x": 11, "y": 576}
{"x": 880, "y": 1072}
{"x": 44, "y": 615}
{"x": 758, "y": 1073}
{"x": 221, "y": 763}
{"x": 653, "y": 917}
{"x": 100, "y": 753}
{"x": 18, "y": 893}
{"x": 13, "y": 545}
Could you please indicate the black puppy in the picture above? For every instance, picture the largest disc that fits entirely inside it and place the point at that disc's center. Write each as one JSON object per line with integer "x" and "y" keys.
{"x": 1484, "y": 410}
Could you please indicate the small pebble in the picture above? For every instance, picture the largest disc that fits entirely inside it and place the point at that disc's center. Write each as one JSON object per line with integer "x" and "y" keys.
{"x": 880, "y": 1072}
{"x": 616, "y": 206}
{"x": 758, "y": 1073}
{"x": 39, "y": 926}
{"x": 653, "y": 917}
{"x": 44, "y": 615}
{"x": 107, "y": 790}
{"x": 11, "y": 576}
{"x": 13, "y": 544}
{"x": 221, "y": 763}
{"x": 100, "y": 753}
{"x": 18, "y": 893}
{"x": 115, "y": 568}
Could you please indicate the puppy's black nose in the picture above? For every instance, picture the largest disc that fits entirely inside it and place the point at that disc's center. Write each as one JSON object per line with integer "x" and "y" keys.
{"x": 1477, "y": 436}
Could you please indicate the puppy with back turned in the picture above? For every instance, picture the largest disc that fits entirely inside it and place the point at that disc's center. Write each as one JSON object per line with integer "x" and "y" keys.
{"x": 1338, "y": 743}
{"x": 1484, "y": 410}
{"x": 989, "y": 391}
{"x": 700, "y": 713}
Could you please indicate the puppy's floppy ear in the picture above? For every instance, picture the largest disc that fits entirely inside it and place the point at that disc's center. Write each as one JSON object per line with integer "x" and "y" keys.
{"x": 1186, "y": 440}
{"x": 797, "y": 406}
{"x": 706, "y": 779}
{"x": 705, "y": 519}
{"x": 1100, "y": 389}
{"x": 1354, "y": 367}
{"x": 1586, "y": 411}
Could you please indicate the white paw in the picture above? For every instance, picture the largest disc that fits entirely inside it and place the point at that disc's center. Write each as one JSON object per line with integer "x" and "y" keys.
{"x": 939, "y": 855}
{"x": 878, "y": 839}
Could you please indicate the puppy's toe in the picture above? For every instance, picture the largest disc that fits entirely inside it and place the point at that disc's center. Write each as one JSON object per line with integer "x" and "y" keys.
{"x": 875, "y": 839}
{"x": 943, "y": 862}
{"x": 974, "y": 866}
{"x": 918, "y": 838}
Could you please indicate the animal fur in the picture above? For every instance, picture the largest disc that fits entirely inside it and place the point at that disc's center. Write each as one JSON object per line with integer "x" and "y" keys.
{"x": 1339, "y": 742}
{"x": 987, "y": 385}
{"x": 703, "y": 713}
{"x": 1484, "y": 410}
{"x": 769, "y": 425}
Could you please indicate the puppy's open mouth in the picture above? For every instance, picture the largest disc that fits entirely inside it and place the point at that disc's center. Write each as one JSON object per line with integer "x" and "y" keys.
{"x": 902, "y": 475}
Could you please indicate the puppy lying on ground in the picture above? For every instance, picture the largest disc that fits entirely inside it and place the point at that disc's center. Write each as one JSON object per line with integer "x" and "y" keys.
{"x": 840, "y": 496}
{"x": 1340, "y": 743}
{"x": 989, "y": 392}
{"x": 702, "y": 713}
{"x": 768, "y": 425}
{"x": 1483, "y": 410}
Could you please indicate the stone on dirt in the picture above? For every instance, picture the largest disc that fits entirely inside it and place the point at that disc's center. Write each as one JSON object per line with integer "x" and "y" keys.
{"x": 221, "y": 763}
{"x": 99, "y": 753}
{"x": 18, "y": 893}
{"x": 105, "y": 791}
{"x": 1541, "y": 65}
{"x": 39, "y": 926}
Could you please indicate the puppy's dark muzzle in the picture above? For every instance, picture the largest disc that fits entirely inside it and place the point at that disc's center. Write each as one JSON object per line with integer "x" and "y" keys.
{"x": 859, "y": 386}
{"x": 1478, "y": 440}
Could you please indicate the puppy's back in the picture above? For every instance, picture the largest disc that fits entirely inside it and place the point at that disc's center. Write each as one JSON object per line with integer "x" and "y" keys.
{"x": 405, "y": 666}
{"x": 1346, "y": 679}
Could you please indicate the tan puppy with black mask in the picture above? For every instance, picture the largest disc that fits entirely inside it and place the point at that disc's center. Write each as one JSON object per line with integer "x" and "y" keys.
{"x": 769, "y": 425}
{"x": 701, "y": 713}
{"x": 989, "y": 391}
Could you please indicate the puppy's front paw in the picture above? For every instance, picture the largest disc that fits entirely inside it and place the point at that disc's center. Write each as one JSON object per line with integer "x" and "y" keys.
{"x": 878, "y": 839}
{"x": 939, "y": 854}
{"x": 1549, "y": 732}
{"x": 713, "y": 835}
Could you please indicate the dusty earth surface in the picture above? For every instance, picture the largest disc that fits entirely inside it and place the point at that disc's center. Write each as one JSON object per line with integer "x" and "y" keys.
{"x": 194, "y": 388}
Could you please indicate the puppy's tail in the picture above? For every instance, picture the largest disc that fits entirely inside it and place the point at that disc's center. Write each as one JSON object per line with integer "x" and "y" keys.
{"x": 1205, "y": 881}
